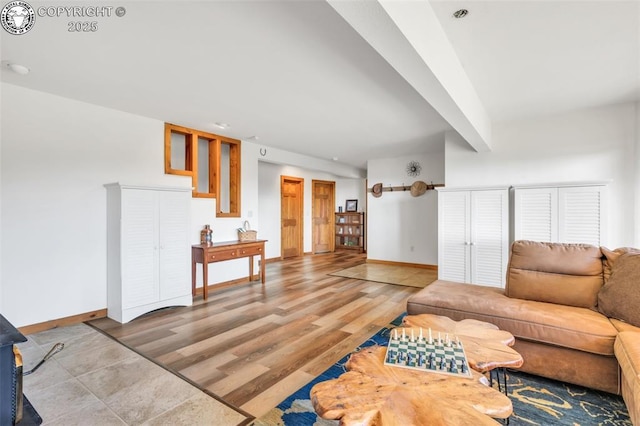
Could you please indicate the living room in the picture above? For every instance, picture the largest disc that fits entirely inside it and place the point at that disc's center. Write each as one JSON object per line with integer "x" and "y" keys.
{"x": 63, "y": 138}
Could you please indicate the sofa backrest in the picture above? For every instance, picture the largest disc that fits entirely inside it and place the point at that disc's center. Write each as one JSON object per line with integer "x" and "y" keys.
{"x": 567, "y": 274}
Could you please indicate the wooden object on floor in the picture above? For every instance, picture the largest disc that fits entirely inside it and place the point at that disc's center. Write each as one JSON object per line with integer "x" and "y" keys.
{"x": 221, "y": 251}
{"x": 486, "y": 346}
{"x": 350, "y": 229}
{"x": 370, "y": 393}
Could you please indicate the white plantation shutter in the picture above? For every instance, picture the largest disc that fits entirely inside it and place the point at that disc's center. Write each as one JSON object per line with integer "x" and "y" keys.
{"x": 561, "y": 214}
{"x": 580, "y": 215}
{"x": 453, "y": 233}
{"x": 473, "y": 236}
{"x": 490, "y": 239}
{"x": 536, "y": 214}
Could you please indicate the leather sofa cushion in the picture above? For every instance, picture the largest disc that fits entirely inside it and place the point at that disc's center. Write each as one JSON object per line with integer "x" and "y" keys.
{"x": 623, "y": 326}
{"x": 566, "y": 274}
{"x": 560, "y": 325}
{"x": 627, "y": 350}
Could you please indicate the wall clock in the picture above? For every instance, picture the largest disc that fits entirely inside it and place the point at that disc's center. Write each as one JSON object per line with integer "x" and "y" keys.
{"x": 413, "y": 168}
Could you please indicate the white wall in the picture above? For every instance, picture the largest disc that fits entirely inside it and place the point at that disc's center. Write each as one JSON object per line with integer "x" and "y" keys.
{"x": 590, "y": 145}
{"x": 269, "y": 200}
{"x": 403, "y": 228}
{"x": 636, "y": 234}
{"x": 56, "y": 155}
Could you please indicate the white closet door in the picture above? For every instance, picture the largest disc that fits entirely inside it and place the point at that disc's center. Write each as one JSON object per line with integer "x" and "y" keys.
{"x": 490, "y": 237}
{"x": 454, "y": 236}
{"x": 139, "y": 247}
{"x": 174, "y": 244}
{"x": 536, "y": 214}
{"x": 580, "y": 214}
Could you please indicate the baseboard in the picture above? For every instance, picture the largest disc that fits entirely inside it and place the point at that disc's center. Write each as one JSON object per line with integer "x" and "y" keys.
{"x": 413, "y": 265}
{"x": 61, "y": 322}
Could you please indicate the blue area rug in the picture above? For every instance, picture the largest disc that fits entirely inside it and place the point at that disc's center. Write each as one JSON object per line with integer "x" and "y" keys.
{"x": 536, "y": 400}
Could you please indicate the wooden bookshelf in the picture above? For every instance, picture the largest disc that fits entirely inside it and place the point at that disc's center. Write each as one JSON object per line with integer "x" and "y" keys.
{"x": 350, "y": 231}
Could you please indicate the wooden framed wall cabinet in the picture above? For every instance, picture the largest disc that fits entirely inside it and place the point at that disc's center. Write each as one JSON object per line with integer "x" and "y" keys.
{"x": 350, "y": 230}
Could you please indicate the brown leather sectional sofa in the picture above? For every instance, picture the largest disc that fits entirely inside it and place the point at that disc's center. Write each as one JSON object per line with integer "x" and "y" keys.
{"x": 550, "y": 305}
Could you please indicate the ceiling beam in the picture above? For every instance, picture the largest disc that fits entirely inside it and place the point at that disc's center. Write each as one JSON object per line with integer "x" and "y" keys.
{"x": 408, "y": 35}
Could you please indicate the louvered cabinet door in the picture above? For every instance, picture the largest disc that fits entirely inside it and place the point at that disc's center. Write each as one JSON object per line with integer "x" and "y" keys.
{"x": 536, "y": 214}
{"x": 175, "y": 248}
{"x": 489, "y": 237}
{"x": 473, "y": 236}
{"x": 139, "y": 248}
{"x": 581, "y": 215}
{"x": 561, "y": 214}
{"x": 453, "y": 236}
{"x": 148, "y": 249}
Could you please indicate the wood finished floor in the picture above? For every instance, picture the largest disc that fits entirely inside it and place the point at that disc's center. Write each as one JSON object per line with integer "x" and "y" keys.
{"x": 253, "y": 345}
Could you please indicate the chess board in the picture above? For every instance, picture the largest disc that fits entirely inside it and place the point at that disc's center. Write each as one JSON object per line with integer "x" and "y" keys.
{"x": 440, "y": 353}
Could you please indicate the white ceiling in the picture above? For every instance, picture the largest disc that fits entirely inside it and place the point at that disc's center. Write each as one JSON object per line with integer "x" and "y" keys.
{"x": 302, "y": 79}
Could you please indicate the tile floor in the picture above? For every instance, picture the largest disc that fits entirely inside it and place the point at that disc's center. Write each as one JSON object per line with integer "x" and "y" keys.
{"x": 97, "y": 381}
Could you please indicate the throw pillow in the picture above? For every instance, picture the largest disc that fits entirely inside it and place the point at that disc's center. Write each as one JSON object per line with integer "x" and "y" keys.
{"x": 610, "y": 257}
{"x": 620, "y": 296}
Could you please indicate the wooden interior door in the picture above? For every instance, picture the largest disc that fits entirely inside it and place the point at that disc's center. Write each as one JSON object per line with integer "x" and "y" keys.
{"x": 291, "y": 227}
{"x": 323, "y": 196}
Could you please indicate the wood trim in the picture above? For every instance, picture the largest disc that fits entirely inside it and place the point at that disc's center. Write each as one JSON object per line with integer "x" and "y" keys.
{"x": 61, "y": 322}
{"x": 413, "y": 265}
{"x": 235, "y": 176}
{"x": 203, "y": 195}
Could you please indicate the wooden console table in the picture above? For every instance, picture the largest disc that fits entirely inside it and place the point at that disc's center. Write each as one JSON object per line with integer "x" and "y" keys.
{"x": 226, "y": 250}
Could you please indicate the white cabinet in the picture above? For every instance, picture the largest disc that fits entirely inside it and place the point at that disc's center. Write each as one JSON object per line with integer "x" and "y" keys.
{"x": 565, "y": 214}
{"x": 148, "y": 249}
{"x": 473, "y": 235}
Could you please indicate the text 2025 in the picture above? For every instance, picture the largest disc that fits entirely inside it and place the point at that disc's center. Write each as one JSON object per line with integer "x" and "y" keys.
{"x": 82, "y": 27}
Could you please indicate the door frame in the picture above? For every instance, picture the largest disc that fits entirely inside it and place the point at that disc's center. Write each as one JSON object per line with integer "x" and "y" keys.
{"x": 332, "y": 219}
{"x": 300, "y": 218}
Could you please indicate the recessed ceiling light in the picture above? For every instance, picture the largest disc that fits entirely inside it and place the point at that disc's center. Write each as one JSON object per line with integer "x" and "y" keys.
{"x": 221, "y": 125}
{"x": 335, "y": 158}
{"x": 253, "y": 138}
{"x": 17, "y": 68}
{"x": 460, "y": 13}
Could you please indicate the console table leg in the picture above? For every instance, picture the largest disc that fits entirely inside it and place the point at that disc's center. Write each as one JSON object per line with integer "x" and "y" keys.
{"x": 205, "y": 280}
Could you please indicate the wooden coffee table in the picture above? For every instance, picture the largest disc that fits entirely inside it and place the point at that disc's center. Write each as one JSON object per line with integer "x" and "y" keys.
{"x": 372, "y": 393}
